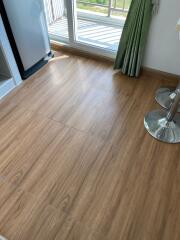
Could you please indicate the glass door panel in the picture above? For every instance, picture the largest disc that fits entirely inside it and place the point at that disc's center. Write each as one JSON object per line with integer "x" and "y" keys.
{"x": 93, "y": 6}
{"x": 120, "y": 8}
{"x": 96, "y": 25}
{"x": 56, "y": 14}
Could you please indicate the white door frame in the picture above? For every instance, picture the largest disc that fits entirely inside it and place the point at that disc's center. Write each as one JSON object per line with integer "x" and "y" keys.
{"x": 72, "y": 20}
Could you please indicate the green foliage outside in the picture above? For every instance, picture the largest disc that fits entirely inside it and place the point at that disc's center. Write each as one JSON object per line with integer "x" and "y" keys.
{"x": 119, "y": 4}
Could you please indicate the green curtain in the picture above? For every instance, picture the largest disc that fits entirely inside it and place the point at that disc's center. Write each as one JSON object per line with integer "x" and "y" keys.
{"x": 134, "y": 36}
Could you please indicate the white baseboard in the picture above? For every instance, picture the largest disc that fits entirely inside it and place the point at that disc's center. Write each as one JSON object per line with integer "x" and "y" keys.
{"x": 5, "y": 87}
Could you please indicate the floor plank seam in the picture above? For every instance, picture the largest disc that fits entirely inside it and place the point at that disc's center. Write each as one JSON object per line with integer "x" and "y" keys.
{"x": 63, "y": 124}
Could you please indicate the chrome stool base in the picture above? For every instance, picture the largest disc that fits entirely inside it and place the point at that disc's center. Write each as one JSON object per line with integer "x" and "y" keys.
{"x": 160, "y": 128}
{"x": 165, "y": 97}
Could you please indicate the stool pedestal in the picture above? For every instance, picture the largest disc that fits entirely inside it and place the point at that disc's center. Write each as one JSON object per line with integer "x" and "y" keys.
{"x": 165, "y": 125}
{"x": 165, "y": 97}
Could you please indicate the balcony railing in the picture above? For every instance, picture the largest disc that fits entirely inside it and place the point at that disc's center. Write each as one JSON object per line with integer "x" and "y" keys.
{"x": 118, "y": 6}
{"x": 55, "y": 9}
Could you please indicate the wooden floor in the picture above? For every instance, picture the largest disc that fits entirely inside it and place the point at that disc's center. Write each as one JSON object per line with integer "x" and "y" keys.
{"x": 76, "y": 162}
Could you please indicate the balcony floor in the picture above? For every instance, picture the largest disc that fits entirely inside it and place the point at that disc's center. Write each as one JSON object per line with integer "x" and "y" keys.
{"x": 93, "y": 33}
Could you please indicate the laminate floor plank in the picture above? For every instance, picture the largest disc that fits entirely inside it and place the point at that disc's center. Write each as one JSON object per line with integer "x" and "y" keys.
{"x": 20, "y": 213}
{"x": 76, "y": 162}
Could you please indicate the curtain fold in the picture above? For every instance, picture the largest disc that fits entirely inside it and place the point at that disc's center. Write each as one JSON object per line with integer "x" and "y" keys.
{"x": 134, "y": 35}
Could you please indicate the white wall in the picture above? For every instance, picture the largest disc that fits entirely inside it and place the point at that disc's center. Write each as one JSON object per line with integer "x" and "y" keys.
{"x": 8, "y": 54}
{"x": 163, "y": 46}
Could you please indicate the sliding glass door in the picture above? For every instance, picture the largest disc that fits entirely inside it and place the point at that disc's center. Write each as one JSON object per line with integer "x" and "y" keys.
{"x": 56, "y": 15}
{"x": 93, "y": 24}
{"x": 100, "y": 22}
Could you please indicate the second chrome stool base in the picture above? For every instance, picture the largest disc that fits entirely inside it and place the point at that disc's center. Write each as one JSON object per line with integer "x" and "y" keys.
{"x": 161, "y": 128}
{"x": 165, "y": 97}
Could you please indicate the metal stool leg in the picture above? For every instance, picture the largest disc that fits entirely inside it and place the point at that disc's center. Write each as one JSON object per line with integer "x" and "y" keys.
{"x": 163, "y": 125}
{"x": 165, "y": 97}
